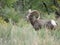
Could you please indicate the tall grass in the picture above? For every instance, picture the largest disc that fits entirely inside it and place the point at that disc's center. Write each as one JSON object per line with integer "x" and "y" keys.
{"x": 24, "y": 34}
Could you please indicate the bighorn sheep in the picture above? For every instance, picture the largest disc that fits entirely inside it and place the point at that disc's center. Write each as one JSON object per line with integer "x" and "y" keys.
{"x": 37, "y": 22}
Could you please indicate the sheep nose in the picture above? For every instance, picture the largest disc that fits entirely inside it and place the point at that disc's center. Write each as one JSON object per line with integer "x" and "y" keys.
{"x": 27, "y": 17}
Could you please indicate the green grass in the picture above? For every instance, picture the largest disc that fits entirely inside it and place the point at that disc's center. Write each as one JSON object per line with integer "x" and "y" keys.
{"x": 24, "y": 34}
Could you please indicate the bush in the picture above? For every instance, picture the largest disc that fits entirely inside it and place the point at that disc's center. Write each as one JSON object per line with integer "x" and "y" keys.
{"x": 10, "y": 13}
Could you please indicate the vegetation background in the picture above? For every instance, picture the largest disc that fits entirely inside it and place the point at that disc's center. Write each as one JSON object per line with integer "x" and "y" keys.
{"x": 14, "y": 28}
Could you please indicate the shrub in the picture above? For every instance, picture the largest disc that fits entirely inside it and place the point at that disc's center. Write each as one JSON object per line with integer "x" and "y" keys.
{"x": 10, "y": 13}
